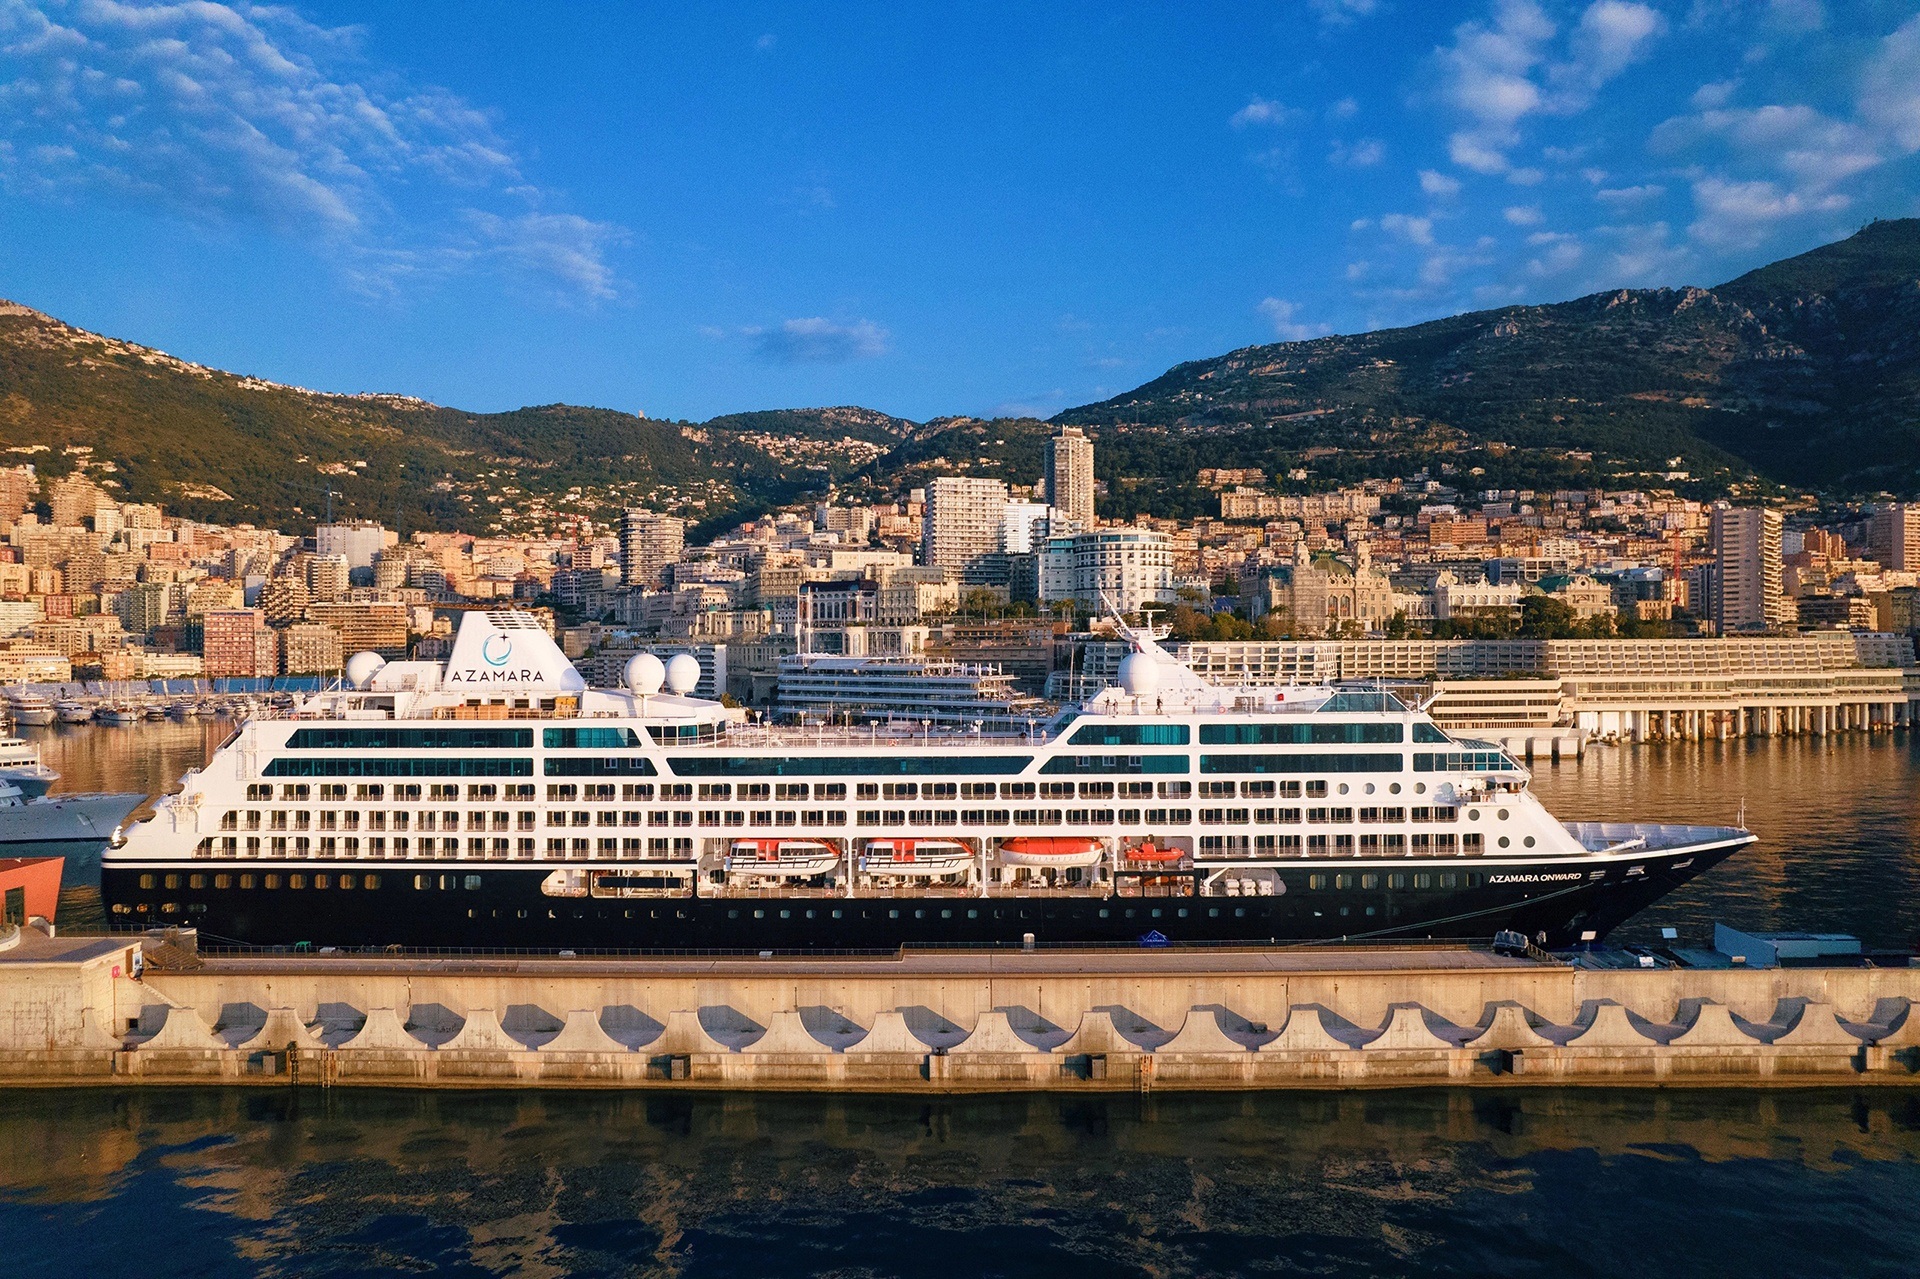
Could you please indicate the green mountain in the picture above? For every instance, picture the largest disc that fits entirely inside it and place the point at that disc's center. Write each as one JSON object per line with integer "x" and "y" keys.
{"x": 224, "y": 447}
{"x": 1804, "y": 373}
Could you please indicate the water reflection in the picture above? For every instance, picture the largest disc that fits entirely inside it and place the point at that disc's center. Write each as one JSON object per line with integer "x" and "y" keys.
{"x": 1838, "y": 820}
{"x": 1588, "y": 1182}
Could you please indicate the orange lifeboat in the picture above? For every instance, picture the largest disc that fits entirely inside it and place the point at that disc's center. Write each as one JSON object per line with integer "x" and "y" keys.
{"x": 1154, "y": 854}
{"x": 1057, "y": 852}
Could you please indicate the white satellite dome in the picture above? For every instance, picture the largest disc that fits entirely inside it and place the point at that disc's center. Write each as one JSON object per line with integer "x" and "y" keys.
{"x": 645, "y": 674}
{"x": 362, "y": 667}
{"x": 1139, "y": 674}
{"x": 683, "y": 672}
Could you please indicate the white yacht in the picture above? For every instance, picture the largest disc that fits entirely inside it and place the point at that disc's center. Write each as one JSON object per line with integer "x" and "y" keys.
{"x": 21, "y": 765}
{"x": 496, "y": 801}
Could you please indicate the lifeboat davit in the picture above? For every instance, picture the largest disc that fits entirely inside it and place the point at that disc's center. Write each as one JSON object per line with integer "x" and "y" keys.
{"x": 920, "y": 858}
{"x": 782, "y": 858}
{"x": 1058, "y": 852}
{"x": 1154, "y": 854}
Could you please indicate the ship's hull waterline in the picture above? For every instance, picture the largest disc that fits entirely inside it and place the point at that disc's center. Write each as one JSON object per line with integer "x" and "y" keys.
{"x": 463, "y": 906}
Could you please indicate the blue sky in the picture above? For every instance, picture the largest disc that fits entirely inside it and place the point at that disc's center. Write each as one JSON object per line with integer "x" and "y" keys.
{"x": 692, "y": 210}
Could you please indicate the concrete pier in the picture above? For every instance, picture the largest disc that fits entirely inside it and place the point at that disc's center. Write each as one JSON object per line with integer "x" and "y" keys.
{"x": 74, "y": 1011}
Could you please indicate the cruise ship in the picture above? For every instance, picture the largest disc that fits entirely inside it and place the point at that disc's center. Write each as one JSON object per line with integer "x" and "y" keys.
{"x": 495, "y": 801}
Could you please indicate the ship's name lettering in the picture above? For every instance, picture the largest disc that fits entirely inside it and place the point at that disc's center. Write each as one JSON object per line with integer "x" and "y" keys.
{"x": 1535, "y": 879}
{"x": 522, "y": 676}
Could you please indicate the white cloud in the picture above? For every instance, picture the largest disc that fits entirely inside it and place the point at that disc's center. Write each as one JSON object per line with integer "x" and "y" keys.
{"x": 1344, "y": 109}
{"x": 1340, "y": 13}
{"x": 766, "y": 42}
{"x": 1439, "y": 185}
{"x": 1559, "y": 254}
{"x": 1526, "y": 177}
{"x": 1501, "y": 70}
{"x": 816, "y": 340}
{"x": 237, "y": 112}
{"x": 1406, "y": 227}
{"x": 1736, "y": 214}
{"x": 1890, "y": 87}
{"x": 1622, "y": 197}
{"x": 1524, "y": 215}
{"x": 1282, "y": 315}
{"x": 1363, "y": 154}
{"x": 1260, "y": 111}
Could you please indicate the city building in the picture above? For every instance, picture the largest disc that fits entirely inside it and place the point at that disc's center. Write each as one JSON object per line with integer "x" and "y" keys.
{"x": 237, "y": 642}
{"x": 1126, "y": 569}
{"x": 964, "y": 523}
{"x": 312, "y": 649}
{"x": 1748, "y": 574}
{"x": 375, "y": 627}
{"x": 1069, "y": 476}
{"x": 649, "y": 542}
{"x": 328, "y": 577}
{"x": 359, "y": 542}
{"x": 1893, "y": 536}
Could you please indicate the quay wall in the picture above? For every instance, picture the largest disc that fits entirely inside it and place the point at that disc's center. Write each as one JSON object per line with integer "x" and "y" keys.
{"x": 951, "y": 1022}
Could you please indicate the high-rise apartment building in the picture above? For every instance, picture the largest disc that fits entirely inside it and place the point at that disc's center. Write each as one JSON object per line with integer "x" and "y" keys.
{"x": 1893, "y": 536}
{"x": 1069, "y": 478}
{"x": 1749, "y": 579}
{"x": 359, "y": 542}
{"x": 648, "y": 543}
{"x": 238, "y": 642}
{"x": 964, "y": 528}
{"x": 327, "y": 577}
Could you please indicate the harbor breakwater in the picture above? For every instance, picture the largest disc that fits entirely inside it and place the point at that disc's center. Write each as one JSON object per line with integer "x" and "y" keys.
{"x": 104, "y": 1010}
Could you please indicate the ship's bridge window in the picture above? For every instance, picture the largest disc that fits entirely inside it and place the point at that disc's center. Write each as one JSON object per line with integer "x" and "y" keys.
{"x": 1425, "y": 732}
{"x": 1299, "y": 734}
{"x": 679, "y": 734}
{"x": 1461, "y": 762}
{"x": 1130, "y": 735}
{"x": 1348, "y": 762}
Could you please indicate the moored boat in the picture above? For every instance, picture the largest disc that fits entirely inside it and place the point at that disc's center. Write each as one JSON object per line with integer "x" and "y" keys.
{"x": 493, "y": 799}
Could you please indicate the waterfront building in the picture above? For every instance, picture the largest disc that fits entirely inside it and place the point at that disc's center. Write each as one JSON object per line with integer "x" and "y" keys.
{"x": 649, "y": 542}
{"x": 238, "y": 642}
{"x": 308, "y": 648}
{"x": 1320, "y": 594}
{"x": 1749, "y": 589}
{"x": 964, "y": 523}
{"x": 1069, "y": 476}
{"x": 379, "y": 627}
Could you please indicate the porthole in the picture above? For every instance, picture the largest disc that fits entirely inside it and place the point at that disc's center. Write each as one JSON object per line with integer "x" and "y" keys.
{"x": 1419, "y": 788}
{"x": 1504, "y": 814}
{"x": 1369, "y": 788}
{"x": 1473, "y": 814}
{"x": 1504, "y": 841}
{"x": 1528, "y": 841}
{"x": 1344, "y": 788}
{"x": 1393, "y": 789}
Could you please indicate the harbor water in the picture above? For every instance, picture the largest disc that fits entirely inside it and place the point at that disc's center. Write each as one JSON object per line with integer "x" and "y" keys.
{"x": 1588, "y": 1181}
{"x": 1576, "y": 1183}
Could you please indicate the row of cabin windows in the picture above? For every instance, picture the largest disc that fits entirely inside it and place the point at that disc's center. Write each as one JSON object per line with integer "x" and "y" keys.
{"x": 749, "y": 792}
{"x": 524, "y": 820}
{"x": 1397, "y": 879}
{"x": 375, "y": 847}
{"x": 246, "y": 879}
{"x": 1393, "y": 845}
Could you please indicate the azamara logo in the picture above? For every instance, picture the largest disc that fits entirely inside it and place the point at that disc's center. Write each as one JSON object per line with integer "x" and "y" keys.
{"x": 525, "y": 675}
{"x": 504, "y": 650}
